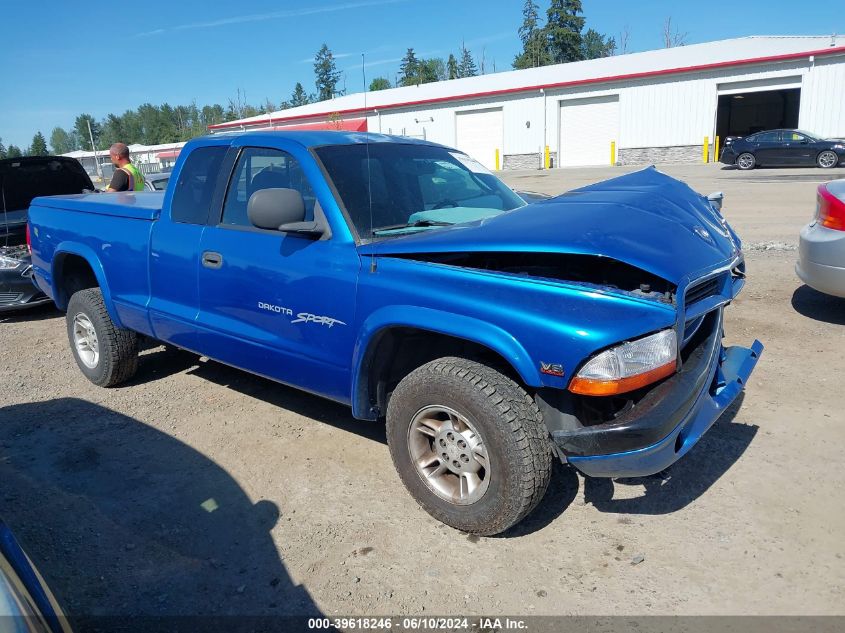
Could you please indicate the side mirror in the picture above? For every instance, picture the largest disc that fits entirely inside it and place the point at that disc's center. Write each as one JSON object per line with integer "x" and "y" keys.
{"x": 281, "y": 210}
{"x": 715, "y": 200}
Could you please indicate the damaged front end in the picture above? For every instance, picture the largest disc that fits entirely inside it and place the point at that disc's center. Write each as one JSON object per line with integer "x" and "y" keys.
{"x": 617, "y": 293}
{"x": 17, "y": 290}
{"x": 643, "y": 431}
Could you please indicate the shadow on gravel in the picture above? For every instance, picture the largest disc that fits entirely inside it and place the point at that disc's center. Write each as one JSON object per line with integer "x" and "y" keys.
{"x": 300, "y": 402}
{"x": 818, "y": 306}
{"x": 38, "y": 313}
{"x": 160, "y": 362}
{"x": 127, "y": 523}
{"x": 684, "y": 481}
{"x": 562, "y": 491}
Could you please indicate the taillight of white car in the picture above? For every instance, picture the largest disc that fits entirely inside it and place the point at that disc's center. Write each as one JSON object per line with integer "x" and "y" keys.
{"x": 830, "y": 211}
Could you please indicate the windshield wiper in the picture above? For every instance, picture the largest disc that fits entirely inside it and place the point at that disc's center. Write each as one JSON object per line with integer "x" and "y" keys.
{"x": 411, "y": 225}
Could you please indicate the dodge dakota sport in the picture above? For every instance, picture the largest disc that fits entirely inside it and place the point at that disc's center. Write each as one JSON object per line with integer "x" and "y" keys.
{"x": 403, "y": 279}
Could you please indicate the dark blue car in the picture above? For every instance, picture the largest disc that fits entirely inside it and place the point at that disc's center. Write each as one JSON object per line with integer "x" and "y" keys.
{"x": 403, "y": 279}
{"x": 782, "y": 148}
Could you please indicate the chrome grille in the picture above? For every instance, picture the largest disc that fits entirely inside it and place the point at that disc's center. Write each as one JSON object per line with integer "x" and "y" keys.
{"x": 10, "y": 297}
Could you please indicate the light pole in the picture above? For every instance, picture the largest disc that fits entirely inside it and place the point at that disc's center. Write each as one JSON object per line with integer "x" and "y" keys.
{"x": 94, "y": 148}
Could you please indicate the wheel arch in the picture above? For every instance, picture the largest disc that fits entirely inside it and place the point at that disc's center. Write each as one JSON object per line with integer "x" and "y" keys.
{"x": 395, "y": 341}
{"x": 76, "y": 267}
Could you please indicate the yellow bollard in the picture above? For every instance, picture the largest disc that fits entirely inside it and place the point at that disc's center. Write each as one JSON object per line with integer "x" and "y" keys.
{"x": 612, "y": 153}
{"x": 546, "y": 159}
{"x": 716, "y": 150}
{"x": 705, "y": 150}
{"x": 497, "y": 159}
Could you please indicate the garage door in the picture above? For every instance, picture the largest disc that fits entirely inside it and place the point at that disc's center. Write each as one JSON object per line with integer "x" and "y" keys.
{"x": 587, "y": 126}
{"x": 480, "y": 134}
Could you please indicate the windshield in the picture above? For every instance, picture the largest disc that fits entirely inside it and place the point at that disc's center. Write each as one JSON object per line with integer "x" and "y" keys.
{"x": 412, "y": 187}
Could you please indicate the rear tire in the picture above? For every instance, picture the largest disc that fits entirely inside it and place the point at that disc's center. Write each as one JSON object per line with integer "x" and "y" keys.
{"x": 746, "y": 161}
{"x": 106, "y": 354}
{"x": 469, "y": 444}
{"x": 827, "y": 159}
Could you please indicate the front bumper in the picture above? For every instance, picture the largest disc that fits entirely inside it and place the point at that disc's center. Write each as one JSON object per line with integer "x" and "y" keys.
{"x": 821, "y": 259}
{"x": 728, "y": 156}
{"x": 670, "y": 419}
{"x": 17, "y": 291}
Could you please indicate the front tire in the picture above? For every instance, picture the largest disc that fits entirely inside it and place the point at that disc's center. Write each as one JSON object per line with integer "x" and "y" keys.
{"x": 746, "y": 161}
{"x": 827, "y": 159}
{"x": 106, "y": 354}
{"x": 469, "y": 444}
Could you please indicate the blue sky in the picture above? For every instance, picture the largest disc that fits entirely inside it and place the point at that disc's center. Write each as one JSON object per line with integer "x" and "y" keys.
{"x": 58, "y": 59}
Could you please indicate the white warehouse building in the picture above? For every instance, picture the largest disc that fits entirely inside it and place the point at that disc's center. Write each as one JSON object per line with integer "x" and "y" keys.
{"x": 650, "y": 107}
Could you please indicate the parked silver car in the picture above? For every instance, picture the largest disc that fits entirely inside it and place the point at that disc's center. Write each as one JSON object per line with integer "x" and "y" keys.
{"x": 156, "y": 182}
{"x": 821, "y": 249}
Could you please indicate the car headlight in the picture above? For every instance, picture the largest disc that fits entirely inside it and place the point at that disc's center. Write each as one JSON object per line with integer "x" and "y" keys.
{"x": 628, "y": 366}
{"x": 8, "y": 263}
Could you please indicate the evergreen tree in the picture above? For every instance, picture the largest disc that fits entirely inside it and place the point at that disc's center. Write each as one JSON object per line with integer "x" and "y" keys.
{"x": 534, "y": 48}
{"x": 379, "y": 83}
{"x": 326, "y": 74}
{"x": 14, "y": 152}
{"x": 299, "y": 96}
{"x": 596, "y": 45}
{"x": 39, "y": 145}
{"x": 466, "y": 67}
{"x": 2, "y": 150}
{"x": 452, "y": 67}
{"x": 563, "y": 31}
{"x": 409, "y": 69}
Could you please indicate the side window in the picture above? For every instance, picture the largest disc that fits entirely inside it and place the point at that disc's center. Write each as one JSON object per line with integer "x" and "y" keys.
{"x": 768, "y": 137}
{"x": 194, "y": 189}
{"x": 794, "y": 137}
{"x": 263, "y": 168}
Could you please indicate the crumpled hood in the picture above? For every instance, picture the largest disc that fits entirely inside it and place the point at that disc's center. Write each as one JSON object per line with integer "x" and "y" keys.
{"x": 646, "y": 219}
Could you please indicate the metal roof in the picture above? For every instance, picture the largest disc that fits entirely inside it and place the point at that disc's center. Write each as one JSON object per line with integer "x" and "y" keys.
{"x": 135, "y": 148}
{"x": 695, "y": 57}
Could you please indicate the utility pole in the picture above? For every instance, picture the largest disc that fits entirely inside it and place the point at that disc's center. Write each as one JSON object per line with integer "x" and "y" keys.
{"x": 94, "y": 148}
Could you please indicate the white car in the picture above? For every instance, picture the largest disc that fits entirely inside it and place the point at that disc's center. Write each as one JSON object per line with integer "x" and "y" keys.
{"x": 821, "y": 247}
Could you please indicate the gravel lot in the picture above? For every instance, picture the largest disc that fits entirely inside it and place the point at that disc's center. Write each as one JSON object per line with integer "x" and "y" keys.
{"x": 201, "y": 489}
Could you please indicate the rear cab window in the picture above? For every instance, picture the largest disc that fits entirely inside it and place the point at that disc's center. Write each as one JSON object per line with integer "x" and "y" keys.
{"x": 194, "y": 190}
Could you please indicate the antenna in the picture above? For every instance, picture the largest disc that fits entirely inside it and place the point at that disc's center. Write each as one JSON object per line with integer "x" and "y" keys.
{"x": 367, "y": 146}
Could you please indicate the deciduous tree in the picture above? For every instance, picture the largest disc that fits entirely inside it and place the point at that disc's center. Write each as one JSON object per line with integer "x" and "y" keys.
{"x": 379, "y": 83}
{"x": 61, "y": 141}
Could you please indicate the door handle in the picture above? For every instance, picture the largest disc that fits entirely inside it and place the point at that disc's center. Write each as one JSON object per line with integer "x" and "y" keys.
{"x": 210, "y": 259}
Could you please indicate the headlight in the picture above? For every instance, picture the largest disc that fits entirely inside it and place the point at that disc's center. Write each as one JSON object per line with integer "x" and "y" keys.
{"x": 7, "y": 263}
{"x": 628, "y": 366}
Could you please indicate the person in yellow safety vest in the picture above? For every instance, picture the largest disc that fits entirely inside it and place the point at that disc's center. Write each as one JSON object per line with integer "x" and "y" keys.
{"x": 126, "y": 176}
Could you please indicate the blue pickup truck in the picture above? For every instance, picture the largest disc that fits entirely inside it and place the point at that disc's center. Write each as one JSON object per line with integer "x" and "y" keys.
{"x": 403, "y": 279}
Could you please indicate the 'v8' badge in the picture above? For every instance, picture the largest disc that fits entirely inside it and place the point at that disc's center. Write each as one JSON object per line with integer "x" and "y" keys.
{"x": 551, "y": 369}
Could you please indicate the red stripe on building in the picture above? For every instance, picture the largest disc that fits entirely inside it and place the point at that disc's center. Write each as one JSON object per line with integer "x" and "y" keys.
{"x": 562, "y": 84}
